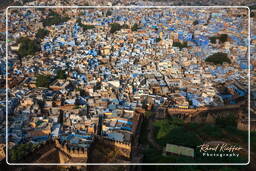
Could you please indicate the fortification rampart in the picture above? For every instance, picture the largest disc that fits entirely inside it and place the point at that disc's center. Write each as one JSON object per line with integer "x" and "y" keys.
{"x": 243, "y": 125}
{"x": 202, "y": 109}
{"x": 71, "y": 152}
{"x": 118, "y": 144}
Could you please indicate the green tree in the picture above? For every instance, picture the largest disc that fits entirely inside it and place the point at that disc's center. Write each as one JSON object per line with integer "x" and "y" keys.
{"x": 52, "y": 13}
{"x": 213, "y": 39}
{"x": 97, "y": 86}
{"x": 61, "y": 74}
{"x": 28, "y": 46}
{"x": 158, "y": 39}
{"x": 218, "y": 58}
{"x": 43, "y": 80}
{"x": 115, "y": 27}
{"x": 125, "y": 26}
{"x": 252, "y": 14}
{"x": 85, "y": 27}
{"x": 20, "y": 151}
{"x": 195, "y": 22}
{"x": 79, "y": 21}
{"x": 54, "y": 19}
{"x": 223, "y": 38}
{"x": 41, "y": 33}
{"x": 135, "y": 27}
{"x": 180, "y": 45}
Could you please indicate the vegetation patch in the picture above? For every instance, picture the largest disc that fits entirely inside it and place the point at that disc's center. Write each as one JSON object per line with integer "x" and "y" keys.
{"x": 175, "y": 131}
{"x": 20, "y": 151}
{"x": 41, "y": 33}
{"x": 180, "y": 45}
{"x": 222, "y": 38}
{"x": 195, "y": 22}
{"x": 43, "y": 80}
{"x": 114, "y": 27}
{"x": 135, "y": 27}
{"x": 54, "y": 19}
{"x": 28, "y": 46}
{"x": 172, "y": 131}
{"x": 84, "y": 27}
{"x": 158, "y": 39}
{"x": 61, "y": 74}
{"x": 229, "y": 121}
{"x": 218, "y": 58}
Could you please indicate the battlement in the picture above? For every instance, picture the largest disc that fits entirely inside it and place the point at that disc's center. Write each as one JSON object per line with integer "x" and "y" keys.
{"x": 71, "y": 151}
{"x": 201, "y": 109}
{"x": 243, "y": 125}
{"x": 119, "y": 144}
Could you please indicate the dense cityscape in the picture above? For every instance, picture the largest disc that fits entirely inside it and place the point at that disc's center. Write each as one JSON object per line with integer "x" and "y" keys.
{"x": 126, "y": 85}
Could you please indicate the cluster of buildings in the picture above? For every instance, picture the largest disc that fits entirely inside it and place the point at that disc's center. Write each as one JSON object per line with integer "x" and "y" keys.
{"x": 110, "y": 75}
{"x": 133, "y": 2}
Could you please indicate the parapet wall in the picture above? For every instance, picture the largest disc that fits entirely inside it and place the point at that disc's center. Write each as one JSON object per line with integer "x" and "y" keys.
{"x": 201, "y": 109}
{"x": 118, "y": 144}
{"x": 243, "y": 125}
{"x": 65, "y": 148}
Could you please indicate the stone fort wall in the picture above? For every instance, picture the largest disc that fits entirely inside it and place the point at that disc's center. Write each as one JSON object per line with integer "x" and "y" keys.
{"x": 202, "y": 109}
{"x": 70, "y": 152}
